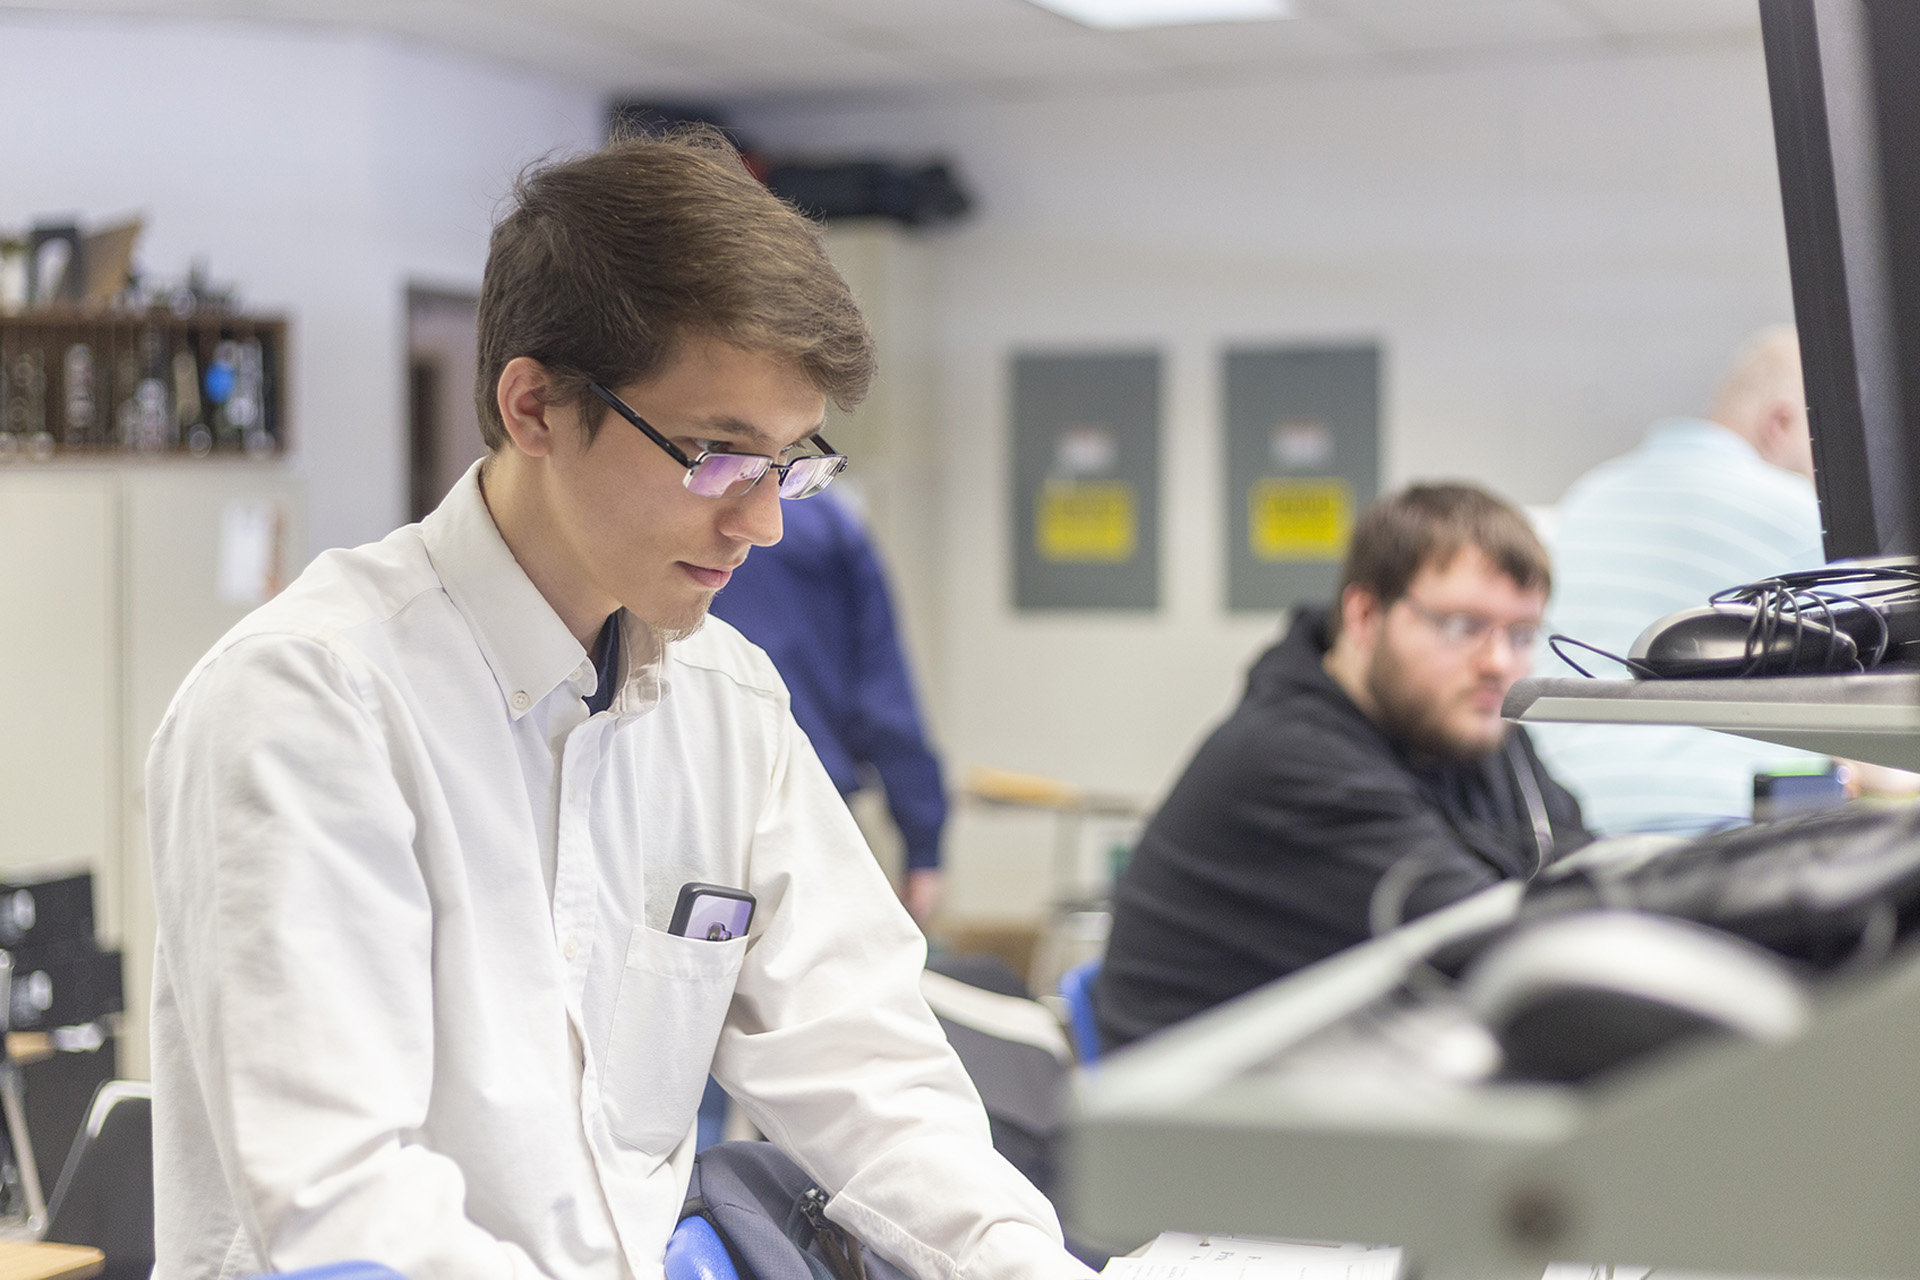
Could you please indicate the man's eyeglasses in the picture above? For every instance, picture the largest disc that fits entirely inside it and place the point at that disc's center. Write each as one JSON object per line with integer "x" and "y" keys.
{"x": 1470, "y": 630}
{"x": 728, "y": 475}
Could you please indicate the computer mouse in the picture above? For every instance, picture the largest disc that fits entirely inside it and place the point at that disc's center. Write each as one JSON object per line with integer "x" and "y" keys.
{"x": 1713, "y": 641}
{"x": 1570, "y": 996}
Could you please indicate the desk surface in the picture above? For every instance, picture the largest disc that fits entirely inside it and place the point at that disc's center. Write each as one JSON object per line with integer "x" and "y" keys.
{"x": 1726, "y": 1157}
{"x": 1873, "y": 717}
{"x": 27, "y": 1260}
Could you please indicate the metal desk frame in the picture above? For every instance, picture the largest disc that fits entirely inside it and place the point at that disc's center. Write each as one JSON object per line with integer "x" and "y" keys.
{"x": 1802, "y": 1159}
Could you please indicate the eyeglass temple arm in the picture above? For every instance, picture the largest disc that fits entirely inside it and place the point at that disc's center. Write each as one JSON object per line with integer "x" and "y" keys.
{"x": 614, "y": 403}
{"x": 619, "y": 406}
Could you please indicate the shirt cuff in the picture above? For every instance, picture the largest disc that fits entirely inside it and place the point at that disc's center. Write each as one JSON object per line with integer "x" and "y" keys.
{"x": 1021, "y": 1251}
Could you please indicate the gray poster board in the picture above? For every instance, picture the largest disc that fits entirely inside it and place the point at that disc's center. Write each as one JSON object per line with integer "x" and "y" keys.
{"x": 1086, "y": 481}
{"x": 1303, "y": 459}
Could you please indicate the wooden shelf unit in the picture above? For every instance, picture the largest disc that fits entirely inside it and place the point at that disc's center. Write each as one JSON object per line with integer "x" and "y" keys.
{"x": 137, "y": 382}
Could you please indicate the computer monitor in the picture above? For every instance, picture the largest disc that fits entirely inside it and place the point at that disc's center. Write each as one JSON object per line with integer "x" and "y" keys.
{"x": 1846, "y": 122}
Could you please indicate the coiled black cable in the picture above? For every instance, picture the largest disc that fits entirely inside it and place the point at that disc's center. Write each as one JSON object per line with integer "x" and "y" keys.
{"x": 1785, "y": 605}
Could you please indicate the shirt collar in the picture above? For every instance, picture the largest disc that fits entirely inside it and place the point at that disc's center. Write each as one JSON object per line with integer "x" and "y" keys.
{"x": 526, "y": 645}
{"x": 1698, "y": 433}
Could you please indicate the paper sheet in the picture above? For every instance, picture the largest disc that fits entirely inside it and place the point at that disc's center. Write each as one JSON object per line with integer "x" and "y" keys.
{"x": 1179, "y": 1256}
{"x": 1600, "y": 1271}
{"x": 249, "y": 570}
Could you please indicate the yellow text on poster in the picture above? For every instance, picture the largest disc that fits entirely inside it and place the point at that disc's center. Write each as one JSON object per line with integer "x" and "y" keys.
{"x": 1299, "y": 519}
{"x": 1086, "y": 523}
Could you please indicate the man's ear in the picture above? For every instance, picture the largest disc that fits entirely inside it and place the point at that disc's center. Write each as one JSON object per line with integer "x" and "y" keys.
{"x": 521, "y": 395}
{"x": 1776, "y": 420}
{"x": 1360, "y": 614}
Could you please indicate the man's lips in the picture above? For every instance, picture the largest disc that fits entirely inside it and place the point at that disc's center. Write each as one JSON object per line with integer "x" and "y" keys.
{"x": 1487, "y": 699}
{"x": 712, "y": 579}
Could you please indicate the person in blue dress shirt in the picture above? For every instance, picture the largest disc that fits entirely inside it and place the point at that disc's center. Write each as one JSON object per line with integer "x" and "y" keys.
{"x": 817, "y": 602}
{"x": 1702, "y": 504}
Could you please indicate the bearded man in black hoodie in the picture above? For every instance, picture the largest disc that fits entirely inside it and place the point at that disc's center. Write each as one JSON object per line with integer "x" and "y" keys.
{"x": 1369, "y": 738}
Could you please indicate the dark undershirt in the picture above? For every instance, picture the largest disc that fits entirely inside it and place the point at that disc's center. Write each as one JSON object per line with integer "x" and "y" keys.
{"x": 606, "y": 664}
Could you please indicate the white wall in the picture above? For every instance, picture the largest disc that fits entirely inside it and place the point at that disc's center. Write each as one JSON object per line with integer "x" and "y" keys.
{"x": 1550, "y": 253}
{"x": 322, "y": 172}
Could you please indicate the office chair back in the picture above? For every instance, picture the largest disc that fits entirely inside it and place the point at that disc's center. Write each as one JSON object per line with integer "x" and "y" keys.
{"x": 105, "y": 1194}
{"x": 696, "y": 1252}
{"x": 1076, "y": 988}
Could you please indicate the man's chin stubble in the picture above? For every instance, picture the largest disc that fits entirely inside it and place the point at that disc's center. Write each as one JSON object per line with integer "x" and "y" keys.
{"x": 1426, "y": 737}
{"x": 1405, "y": 717}
{"x": 680, "y": 628}
{"x": 670, "y": 634}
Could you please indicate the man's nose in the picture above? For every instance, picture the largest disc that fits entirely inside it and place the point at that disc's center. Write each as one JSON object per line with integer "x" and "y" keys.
{"x": 754, "y": 516}
{"x": 1500, "y": 653}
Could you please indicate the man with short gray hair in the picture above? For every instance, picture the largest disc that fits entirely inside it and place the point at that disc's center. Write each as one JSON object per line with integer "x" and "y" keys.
{"x": 1702, "y": 504}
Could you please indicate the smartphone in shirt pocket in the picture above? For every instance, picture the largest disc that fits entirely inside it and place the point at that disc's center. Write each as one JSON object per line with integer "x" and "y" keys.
{"x": 675, "y": 990}
{"x": 711, "y": 911}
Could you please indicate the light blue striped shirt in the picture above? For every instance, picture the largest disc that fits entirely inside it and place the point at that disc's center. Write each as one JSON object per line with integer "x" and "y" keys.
{"x": 1694, "y": 509}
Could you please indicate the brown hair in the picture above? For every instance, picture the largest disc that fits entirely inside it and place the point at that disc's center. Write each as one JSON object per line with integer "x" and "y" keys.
{"x": 607, "y": 262}
{"x": 1427, "y": 525}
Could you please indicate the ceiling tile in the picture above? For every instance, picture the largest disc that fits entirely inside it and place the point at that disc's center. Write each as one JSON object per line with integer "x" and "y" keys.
{"x": 1247, "y": 44}
{"x": 1417, "y": 25}
{"x": 975, "y": 19}
{"x": 739, "y": 48}
{"x": 579, "y": 47}
{"x": 749, "y": 70}
{"x": 1673, "y": 17}
{"x": 1069, "y": 57}
{"x": 677, "y": 22}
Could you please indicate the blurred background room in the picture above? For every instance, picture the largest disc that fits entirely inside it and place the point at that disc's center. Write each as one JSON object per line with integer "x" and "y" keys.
{"x": 1481, "y": 239}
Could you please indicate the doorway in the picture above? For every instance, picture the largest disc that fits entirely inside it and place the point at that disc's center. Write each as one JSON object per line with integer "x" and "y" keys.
{"x": 443, "y": 426}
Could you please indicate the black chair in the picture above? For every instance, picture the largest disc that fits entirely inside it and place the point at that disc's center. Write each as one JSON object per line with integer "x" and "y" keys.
{"x": 105, "y": 1194}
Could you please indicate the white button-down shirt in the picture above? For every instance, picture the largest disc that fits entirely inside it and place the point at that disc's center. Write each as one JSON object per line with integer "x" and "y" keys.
{"x": 414, "y": 997}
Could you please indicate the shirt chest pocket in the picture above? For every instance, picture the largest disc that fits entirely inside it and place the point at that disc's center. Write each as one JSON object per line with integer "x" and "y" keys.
{"x": 674, "y": 994}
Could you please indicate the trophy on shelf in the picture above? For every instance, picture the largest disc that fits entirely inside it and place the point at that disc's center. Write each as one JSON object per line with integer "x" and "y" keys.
{"x": 76, "y": 383}
{"x": 26, "y": 401}
{"x": 188, "y": 426}
{"x": 126, "y": 387}
{"x": 153, "y": 425}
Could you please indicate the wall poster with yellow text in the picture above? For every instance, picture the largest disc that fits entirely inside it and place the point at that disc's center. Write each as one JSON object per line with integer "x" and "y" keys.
{"x": 1086, "y": 480}
{"x": 1303, "y": 458}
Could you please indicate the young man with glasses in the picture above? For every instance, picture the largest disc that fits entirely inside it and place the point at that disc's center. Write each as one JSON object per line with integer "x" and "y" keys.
{"x": 1366, "y": 774}
{"x": 426, "y": 829}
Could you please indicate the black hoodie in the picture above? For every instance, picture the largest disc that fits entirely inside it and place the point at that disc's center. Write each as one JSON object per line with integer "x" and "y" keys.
{"x": 1266, "y": 854}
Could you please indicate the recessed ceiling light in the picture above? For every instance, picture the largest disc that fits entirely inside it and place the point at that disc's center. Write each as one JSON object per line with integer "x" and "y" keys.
{"x": 1119, "y": 15}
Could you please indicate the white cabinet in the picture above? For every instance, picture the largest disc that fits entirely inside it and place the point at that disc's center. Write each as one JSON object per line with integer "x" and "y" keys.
{"x": 111, "y": 587}
{"x": 60, "y": 781}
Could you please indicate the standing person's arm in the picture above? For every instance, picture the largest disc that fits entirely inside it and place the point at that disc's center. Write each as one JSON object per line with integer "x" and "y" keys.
{"x": 887, "y": 731}
{"x": 296, "y": 939}
{"x": 831, "y": 1050}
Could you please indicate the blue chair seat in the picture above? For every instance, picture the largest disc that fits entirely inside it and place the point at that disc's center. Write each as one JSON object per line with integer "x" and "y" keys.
{"x": 1076, "y": 988}
{"x": 696, "y": 1252}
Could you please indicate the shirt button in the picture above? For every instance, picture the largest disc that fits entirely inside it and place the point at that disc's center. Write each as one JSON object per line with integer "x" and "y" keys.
{"x": 520, "y": 700}
{"x": 572, "y": 948}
